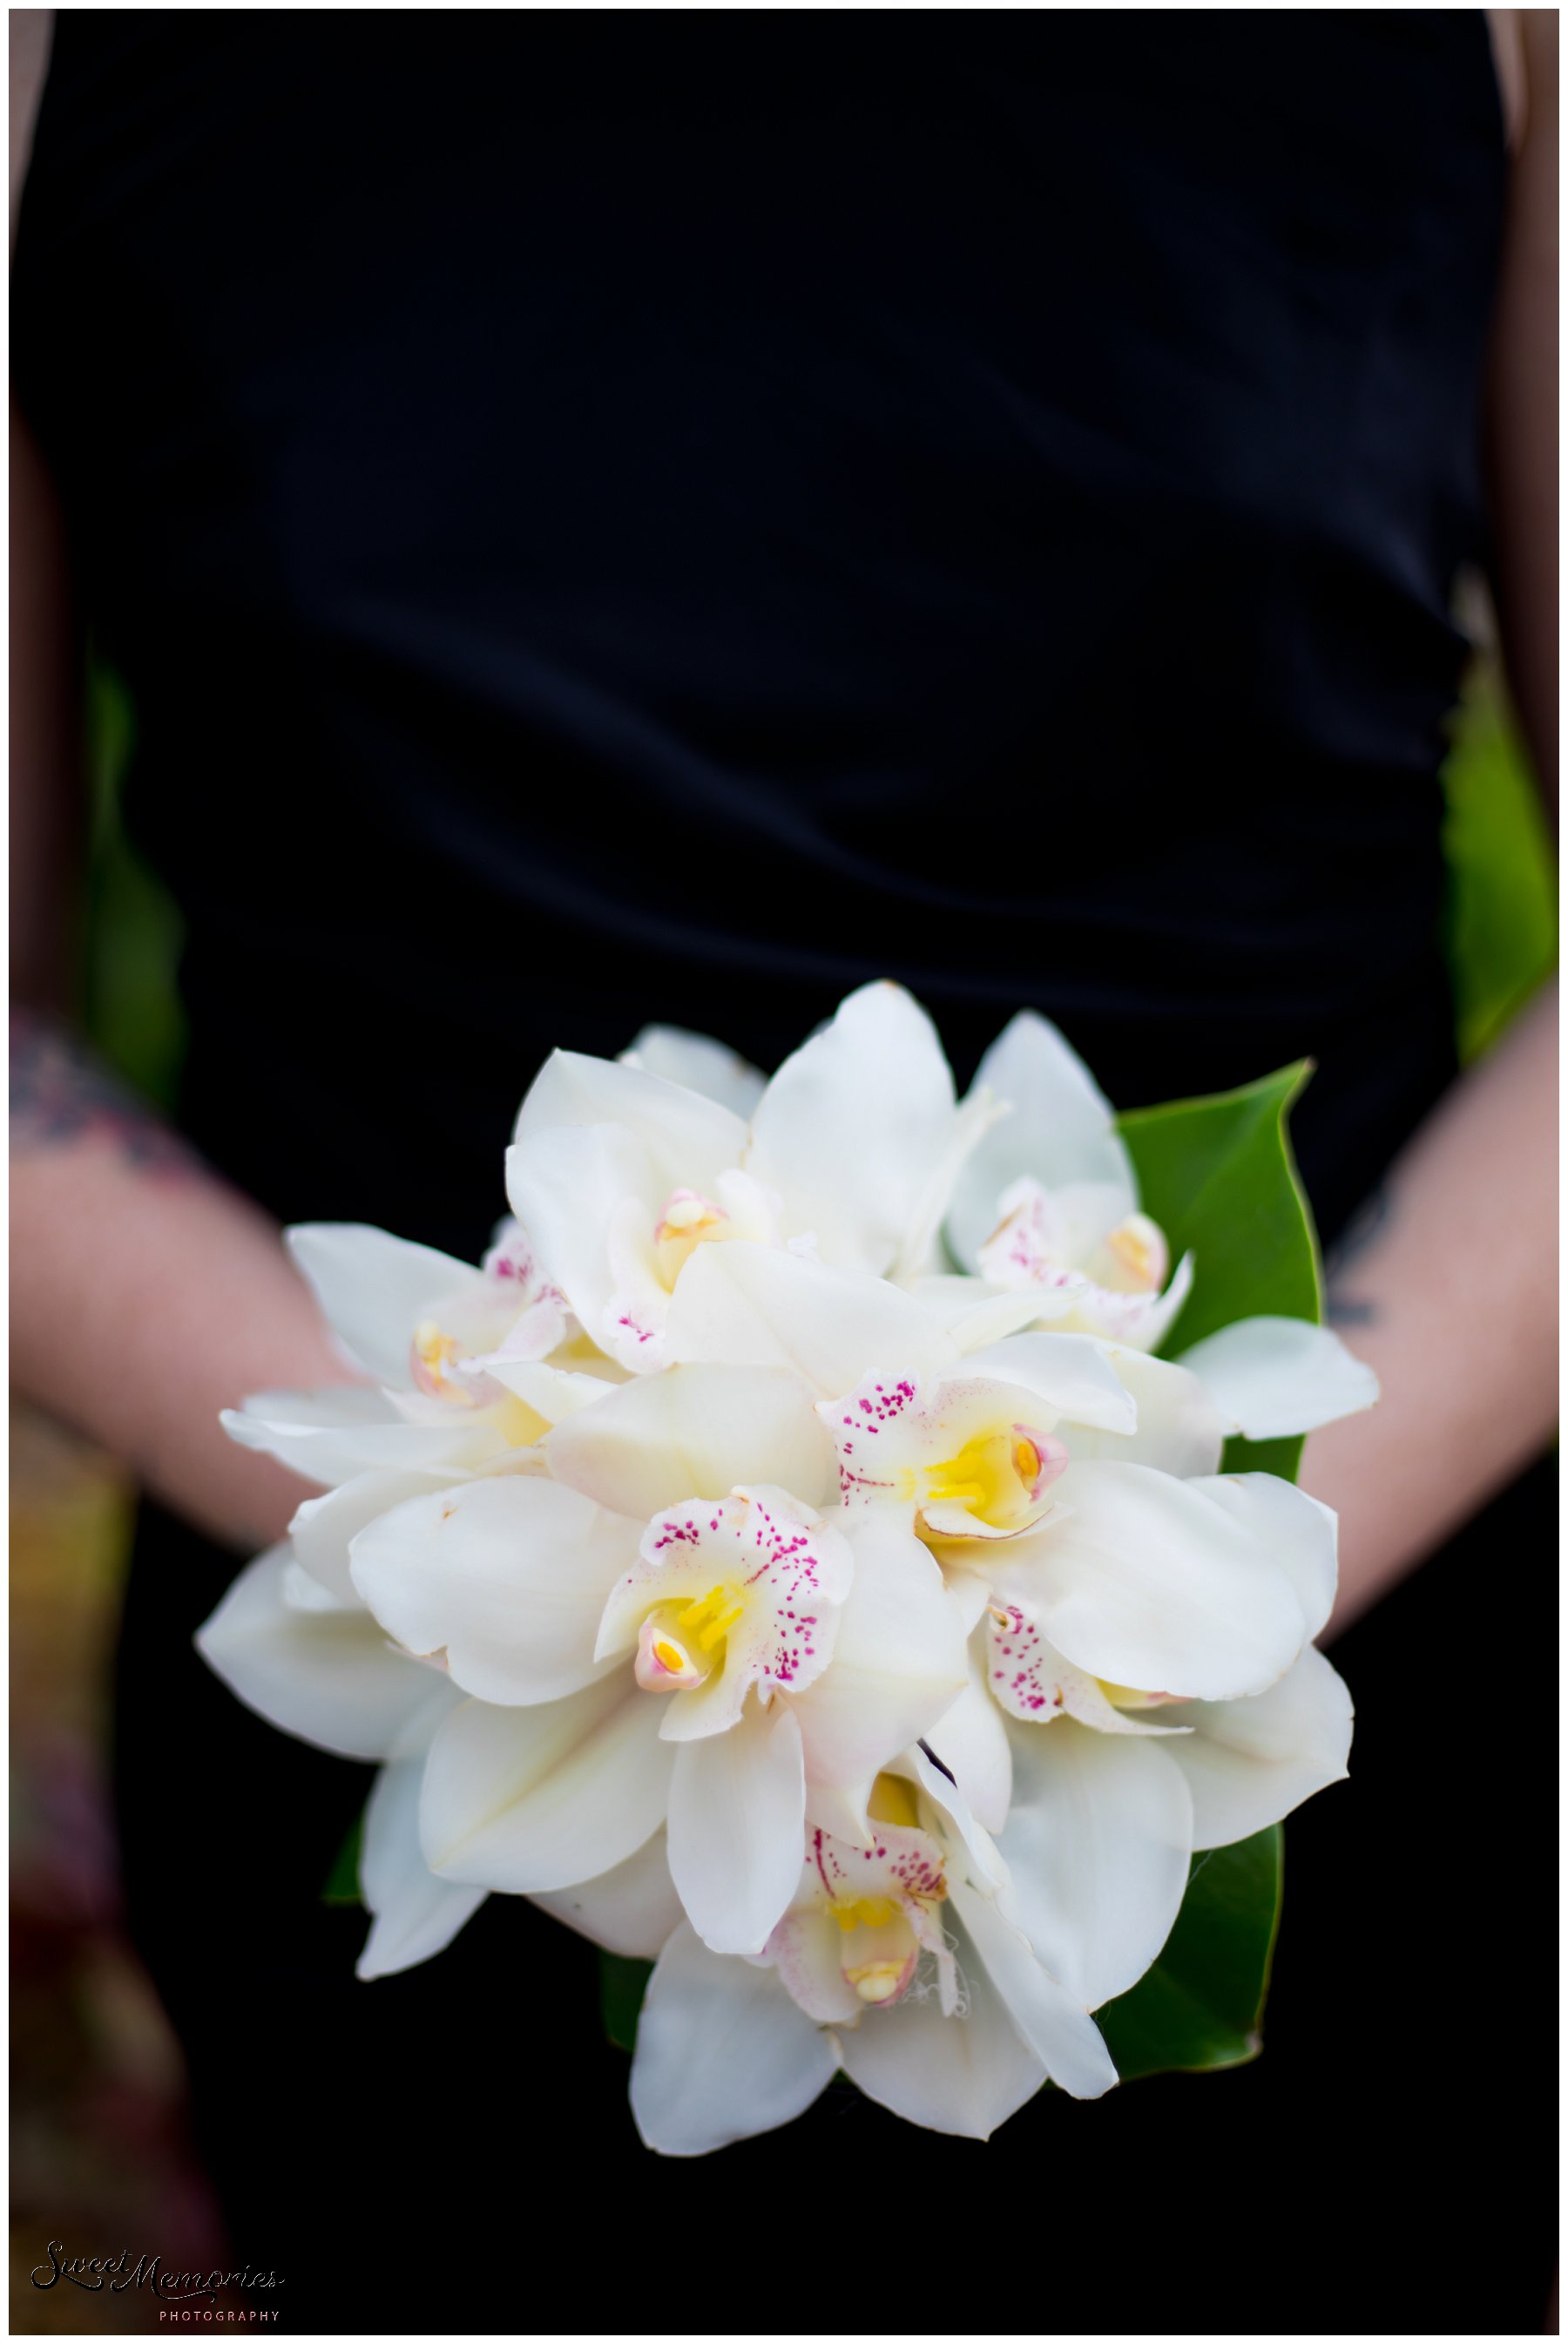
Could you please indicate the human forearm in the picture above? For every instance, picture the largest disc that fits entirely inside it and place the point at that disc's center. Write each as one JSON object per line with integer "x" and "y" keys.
{"x": 146, "y": 1294}
{"x": 1449, "y": 1290}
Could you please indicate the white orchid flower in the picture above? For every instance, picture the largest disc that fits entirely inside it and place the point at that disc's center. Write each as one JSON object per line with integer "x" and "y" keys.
{"x": 1046, "y": 1203}
{"x": 973, "y": 1450}
{"x": 1047, "y": 1208}
{"x": 443, "y": 1341}
{"x": 733, "y": 1657}
{"x": 849, "y": 1151}
{"x": 895, "y": 1961}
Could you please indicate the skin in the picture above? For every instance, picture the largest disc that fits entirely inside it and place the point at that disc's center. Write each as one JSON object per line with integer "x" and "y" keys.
{"x": 146, "y": 1294}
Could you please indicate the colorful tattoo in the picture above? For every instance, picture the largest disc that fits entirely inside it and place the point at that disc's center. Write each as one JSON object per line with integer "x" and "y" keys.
{"x": 1340, "y": 1307}
{"x": 61, "y": 1096}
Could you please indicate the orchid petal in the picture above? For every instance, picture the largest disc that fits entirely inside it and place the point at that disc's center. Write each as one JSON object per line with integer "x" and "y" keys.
{"x": 507, "y": 1575}
{"x": 1061, "y": 1131}
{"x": 533, "y": 1799}
{"x": 898, "y": 1665}
{"x": 374, "y": 1288}
{"x": 1207, "y": 1587}
{"x": 758, "y": 1305}
{"x": 1249, "y": 1762}
{"x": 737, "y": 1813}
{"x": 690, "y": 1140}
{"x": 1049, "y": 2017}
{"x": 556, "y": 1393}
{"x": 1140, "y": 1320}
{"x": 695, "y": 1432}
{"x": 323, "y": 1527}
{"x": 971, "y": 1742}
{"x": 722, "y": 2052}
{"x": 335, "y": 1434}
{"x": 699, "y": 1063}
{"x": 1178, "y": 1430}
{"x": 414, "y": 1915}
{"x": 569, "y": 1183}
{"x": 327, "y": 1677}
{"x": 853, "y": 1129}
{"x": 1069, "y": 1372}
{"x": 1098, "y": 1842}
{"x": 630, "y": 1909}
{"x": 976, "y": 1314}
{"x": 1272, "y": 1376}
{"x": 965, "y": 2074}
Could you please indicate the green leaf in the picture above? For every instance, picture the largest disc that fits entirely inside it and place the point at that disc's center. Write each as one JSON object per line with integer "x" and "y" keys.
{"x": 343, "y": 1880}
{"x": 622, "y": 1983}
{"x": 1218, "y": 1177}
{"x": 1202, "y": 2004}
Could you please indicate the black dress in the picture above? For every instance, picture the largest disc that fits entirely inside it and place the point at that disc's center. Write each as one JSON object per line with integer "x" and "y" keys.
{"x": 615, "y": 517}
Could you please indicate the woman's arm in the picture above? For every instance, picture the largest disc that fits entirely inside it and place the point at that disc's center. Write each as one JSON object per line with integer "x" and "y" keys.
{"x": 146, "y": 1295}
{"x": 1449, "y": 1287}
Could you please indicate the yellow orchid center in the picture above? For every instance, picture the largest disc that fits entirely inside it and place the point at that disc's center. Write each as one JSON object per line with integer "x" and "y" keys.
{"x": 680, "y": 1644}
{"x": 994, "y": 1477}
{"x": 686, "y": 1221}
{"x": 1135, "y": 1256}
{"x": 433, "y": 1353}
{"x": 865, "y": 1913}
{"x": 880, "y": 1950}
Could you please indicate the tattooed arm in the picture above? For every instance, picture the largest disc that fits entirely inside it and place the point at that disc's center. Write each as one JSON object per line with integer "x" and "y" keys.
{"x": 145, "y": 1294}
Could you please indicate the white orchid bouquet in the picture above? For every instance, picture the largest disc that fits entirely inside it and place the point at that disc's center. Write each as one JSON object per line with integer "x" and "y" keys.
{"x": 787, "y": 1559}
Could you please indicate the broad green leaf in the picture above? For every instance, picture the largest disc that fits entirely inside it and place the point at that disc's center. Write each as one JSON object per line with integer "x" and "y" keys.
{"x": 1202, "y": 2004}
{"x": 343, "y": 1880}
{"x": 622, "y": 1983}
{"x": 1218, "y": 1177}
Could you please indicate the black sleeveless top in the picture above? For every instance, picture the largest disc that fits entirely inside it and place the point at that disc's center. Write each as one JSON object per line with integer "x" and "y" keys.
{"x": 610, "y": 517}
{"x": 665, "y": 516}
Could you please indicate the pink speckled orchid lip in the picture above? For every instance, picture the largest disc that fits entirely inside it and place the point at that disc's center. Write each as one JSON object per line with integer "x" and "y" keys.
{"x": 971, "y": 1455}
{"x": 853, "y": 1938}
{"x": 727, "y": 1596}
{"x": 1098, "y": 1265}
{"x": 506, "y": 1310}
{"x": 1029, "y": 1678}
{"x": 956, "y": 1451}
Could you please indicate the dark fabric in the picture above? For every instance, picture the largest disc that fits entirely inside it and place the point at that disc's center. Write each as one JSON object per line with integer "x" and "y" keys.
{"x": 659, "y": 516}
{"x": 616, "y": 517}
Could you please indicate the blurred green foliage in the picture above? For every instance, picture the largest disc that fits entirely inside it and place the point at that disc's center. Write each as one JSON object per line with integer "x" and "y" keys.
{"x": 1502, "y": 876}
{"x": 132, "y": 933}
{"x": 1502, "y": 922}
